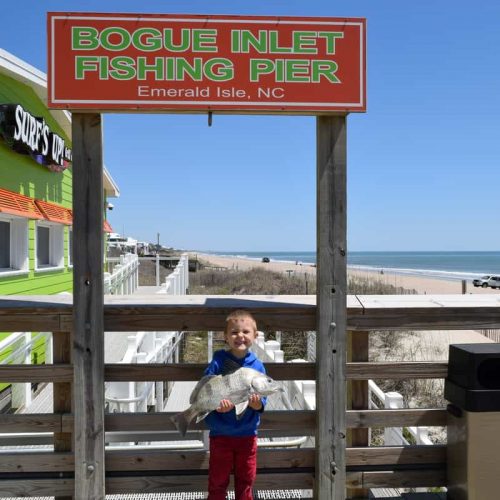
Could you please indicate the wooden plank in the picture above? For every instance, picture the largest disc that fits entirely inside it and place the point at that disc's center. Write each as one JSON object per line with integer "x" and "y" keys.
{"x": 388, "y": 312}
{"x": 296, "y": 420}
{"x": 299, "y": 421}
{"x": 397, "y": 479}
{"x": 427, "y": 312}
{"x": 178, "y": 483}
{"x": 396, "y": 418}
{"x": 331, "y": 307}
{"x": 196, "y": 461}
{"x": 396, "y": 455}
{"x": 36, "y": 373}
{"x": 134, "y": 460}
{"x": 193, "y": 371}
{"x": 359, "y": 399}
{"x": 206, "y": 313}
{"x": 36, "y": 462}
{"x": 27, "y": 323}
{"x": 397, "y": 370}
{"x": 62, "y": 395}
{"x": 173, "y": 372}
{"x": 36, "y": 487}
{"x": 88, "y": 312}
{"x": 146, "y": 484}
{"x": 30, "y": 422}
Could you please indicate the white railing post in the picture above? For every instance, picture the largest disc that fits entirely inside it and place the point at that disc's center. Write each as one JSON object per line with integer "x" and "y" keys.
{"x": 159, "y": 349}
{"x": 157, "y": 270}
{"x": 107, "y": 283}
{"x": 21, "y": 392}
{"x": 186, "y": 273}
{"x": 141, "y": 386}
{"x": 393, "y": 435}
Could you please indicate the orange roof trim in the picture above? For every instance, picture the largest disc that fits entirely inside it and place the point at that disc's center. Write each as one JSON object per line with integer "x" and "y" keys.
{"x": 107, "y": 227}
{"x": 18, "y": 204}
{"x": 55, "y": 213}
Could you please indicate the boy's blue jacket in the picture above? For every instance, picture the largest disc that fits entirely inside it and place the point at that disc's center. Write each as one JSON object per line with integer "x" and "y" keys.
{"x": 226, "y": 424}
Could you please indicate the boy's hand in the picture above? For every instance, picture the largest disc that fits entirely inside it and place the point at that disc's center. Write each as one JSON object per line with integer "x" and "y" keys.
{"x": 224, "y": 406}
{"x": 254, "y": 402}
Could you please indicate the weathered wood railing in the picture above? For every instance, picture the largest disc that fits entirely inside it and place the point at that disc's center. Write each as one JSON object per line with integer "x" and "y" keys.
{"x": 51, "y": 473}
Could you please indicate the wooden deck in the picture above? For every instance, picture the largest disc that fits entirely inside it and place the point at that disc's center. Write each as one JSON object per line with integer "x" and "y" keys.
{"x": 136, "y": 471}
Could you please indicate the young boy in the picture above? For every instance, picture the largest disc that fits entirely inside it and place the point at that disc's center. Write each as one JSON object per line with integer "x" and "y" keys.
{"x": 233, "y": 442}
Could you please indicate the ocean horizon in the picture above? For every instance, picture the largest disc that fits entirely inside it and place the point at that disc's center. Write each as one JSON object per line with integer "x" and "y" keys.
{"x": 452, "y": 265}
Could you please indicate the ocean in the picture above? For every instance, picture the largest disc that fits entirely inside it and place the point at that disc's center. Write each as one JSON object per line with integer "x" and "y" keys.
{"x": 444, "y": 265}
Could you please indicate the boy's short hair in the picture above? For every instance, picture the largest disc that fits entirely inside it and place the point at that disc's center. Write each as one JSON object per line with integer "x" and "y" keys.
{"x": 240, "y": 313}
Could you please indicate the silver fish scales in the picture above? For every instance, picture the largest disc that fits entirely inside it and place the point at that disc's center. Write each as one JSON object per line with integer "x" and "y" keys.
{"x": 212, "y": 389}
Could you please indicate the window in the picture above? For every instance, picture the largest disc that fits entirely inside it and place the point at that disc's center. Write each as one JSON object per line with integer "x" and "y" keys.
{"x": 13, "y": 244}
{"x": 49, "y": 246}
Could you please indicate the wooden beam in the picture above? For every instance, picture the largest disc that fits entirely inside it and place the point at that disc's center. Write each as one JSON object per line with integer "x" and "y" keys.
{"x": 200, "y": 312}
{"x": 173, "y": 372}
{"x": 396, "y": 455}
{"x": 36, "y": 487}
{"x": 36, "y": 373}
{"x": 331, "y": 299}
{"x": 399, "y": 370}
{"x": 160, "y": 484}
{"x": 134, "y": 460}
{"x": 396, "y": 418}
{"x": 298, "y": 421}
{"x": 397, "y": 479}
{"x": 30, "y": 422}
{"x": 193, "y": 371}
{"x": 88, "y": 311}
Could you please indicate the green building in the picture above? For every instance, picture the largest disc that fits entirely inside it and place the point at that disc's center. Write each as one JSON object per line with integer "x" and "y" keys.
{"x": 35, "y": 191}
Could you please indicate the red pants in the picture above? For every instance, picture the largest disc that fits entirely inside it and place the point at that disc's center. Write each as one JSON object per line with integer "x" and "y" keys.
{"x": 237, "y": 454}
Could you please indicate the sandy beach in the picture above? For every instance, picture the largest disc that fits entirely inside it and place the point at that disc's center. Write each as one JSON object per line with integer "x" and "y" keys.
{"x": 435, "y": 344}
{"x": 421, "y": 284}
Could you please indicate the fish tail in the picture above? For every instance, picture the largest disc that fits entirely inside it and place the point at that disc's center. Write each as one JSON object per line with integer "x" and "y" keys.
{"x": 181, "y": 420}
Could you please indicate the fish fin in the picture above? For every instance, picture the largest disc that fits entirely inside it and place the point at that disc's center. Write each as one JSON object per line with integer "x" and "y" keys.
{"x": 181, "y": 420}
{"x": 240, "y": 408}
{"x": 201, "y": 416}
{"x": 198, "y": 387}
{"x": 230, "y": 366}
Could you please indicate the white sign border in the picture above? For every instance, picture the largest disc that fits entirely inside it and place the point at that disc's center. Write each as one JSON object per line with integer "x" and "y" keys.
{"x": 200, "y": 104}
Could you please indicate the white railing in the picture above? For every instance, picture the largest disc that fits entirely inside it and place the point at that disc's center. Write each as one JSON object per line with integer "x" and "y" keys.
{"x": 21, "y": 345}
{"x": 380, "y": 399}
{"x": 177, "y": 283}
{"x": 393, "y": 436}
{"x": 144, "y": 347}
{"x": 124, "y": 279}
{"x": 296, "y": 393}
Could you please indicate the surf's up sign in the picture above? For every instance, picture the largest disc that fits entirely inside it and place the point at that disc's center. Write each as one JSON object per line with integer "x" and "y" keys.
{"x": 206, "y": 63}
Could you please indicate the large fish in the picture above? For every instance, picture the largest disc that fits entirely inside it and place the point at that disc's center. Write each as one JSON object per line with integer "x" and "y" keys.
{"x": 236, "y": 387}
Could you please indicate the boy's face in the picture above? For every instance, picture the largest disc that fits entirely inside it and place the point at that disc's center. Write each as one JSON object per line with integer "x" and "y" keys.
{"x": 240, "y": 334}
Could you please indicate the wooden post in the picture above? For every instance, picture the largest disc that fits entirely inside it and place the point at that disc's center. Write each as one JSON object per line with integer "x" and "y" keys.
{"x": 88, "y": 320}
{"x": 359, "y": 342}
{"x": 61, "y": 349}
{"x": 331, "y": 308}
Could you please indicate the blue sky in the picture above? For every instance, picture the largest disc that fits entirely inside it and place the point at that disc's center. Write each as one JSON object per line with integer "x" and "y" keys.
{"x": 423, "y": 162}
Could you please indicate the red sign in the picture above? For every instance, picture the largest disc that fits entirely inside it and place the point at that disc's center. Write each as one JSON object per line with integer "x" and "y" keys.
{"x": 206, "y": 63}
